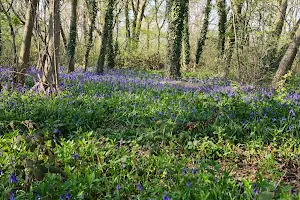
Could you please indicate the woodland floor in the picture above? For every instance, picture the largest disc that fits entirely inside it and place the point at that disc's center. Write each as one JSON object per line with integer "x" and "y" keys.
{"x": 130, "y": 134}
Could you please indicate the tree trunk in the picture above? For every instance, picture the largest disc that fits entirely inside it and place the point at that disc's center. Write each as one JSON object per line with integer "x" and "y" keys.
{"x": 139, "y": 22}
{"x": 50, "y": 71}
{"x": 186, "y": 36}
{"x": 288, "y": 58}
{"x": 26, "y": 43}
{"x": 1, "y": 40}
{"x": 280, "y": 18}
{"x": 272, "y": 54}
{"x": 63, "y": 36}
{"x": 107, "y": 30}
{"x": 127, "y": 24}
{"x": 221, "y": 4}
{"x": 234, "y": 29}
{"x": 203, "y": 33}
{"x": 175, "y": 13}
{"x": 72, "y": 37}
{"x": 92, "y": 15}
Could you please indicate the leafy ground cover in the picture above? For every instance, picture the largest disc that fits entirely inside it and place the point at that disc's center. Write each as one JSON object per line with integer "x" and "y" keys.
{"x": 127, "y": 135}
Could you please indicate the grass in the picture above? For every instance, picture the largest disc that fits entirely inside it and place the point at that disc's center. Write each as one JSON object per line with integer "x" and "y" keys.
{"x": 125, "y": 135}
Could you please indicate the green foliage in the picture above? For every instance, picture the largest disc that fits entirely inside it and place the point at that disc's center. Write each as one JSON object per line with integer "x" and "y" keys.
{"x": 138, "y": 139}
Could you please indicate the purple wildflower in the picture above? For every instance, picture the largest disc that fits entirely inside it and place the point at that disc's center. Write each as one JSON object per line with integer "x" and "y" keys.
{"x": 188, "y": 184}
{"x": 12, "y": 196}
{"x": 13, "y": 179}
{"x": 140, "y": 187}
{"x": 75, "y": 156}
{"x": 184, "y": 171}
{"x": 292, "y": 112}
{"x": 118, "y": 187}
{"x": 165, "y": 197}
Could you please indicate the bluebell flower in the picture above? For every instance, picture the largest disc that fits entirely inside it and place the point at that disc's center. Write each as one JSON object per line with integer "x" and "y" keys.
{"x": 165, "y": 197}
{"x": 12, "y": 196}
{"x": 188, "y": 184}
{"x": 140, "y": 187}
{"x": 184, "y": 171}
{"x": 37, "y": 196}
{"x": 292, "y": 112}
{"x": 68, "y": 196}
{"x": 194, "y": 171}
{"x": 118, "y": 187}
{"x": 75, "y": 156}
{"x": 291, "y": 127}
{"x": 13, "y": 179}
{"x": 1, "y": 172}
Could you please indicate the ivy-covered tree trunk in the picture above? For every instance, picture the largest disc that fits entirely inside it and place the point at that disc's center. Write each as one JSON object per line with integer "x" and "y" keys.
{"x": 186, "y": 36}
{"x": 50, "y": 71}
{"x": 203, "y": 33}
{"x": 175, "y": 15}
{"x": 26, "y": 43}
{"x": 72, "y": 37}
{"x": 288, "y": 58}
{"x": 92, "y": 9}
{"x": 106, "y": 35}
{"x": 127, "y": 24}
{"x": 1, "y": 40}
{"x": 221, "y": 5}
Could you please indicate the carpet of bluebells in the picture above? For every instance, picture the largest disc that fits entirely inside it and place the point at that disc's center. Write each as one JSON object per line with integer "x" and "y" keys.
{"x": 130, "y": 134}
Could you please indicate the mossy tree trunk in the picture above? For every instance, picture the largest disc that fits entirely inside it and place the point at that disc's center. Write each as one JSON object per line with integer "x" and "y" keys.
{"x": 175, "y": 13}
{"x": 72, "y": 37}
{"x": 26, "y": 43}
{"x": 221, "y": 5}
{"x": 1, "y": 40}
{"x": 92, "y": 10}
{"x": 186, "y": 36}
{"x": 50, "y": 71}
{"x": 127, "y": 24}
{"x": 203, "y": 33}
{"x": 288, "y": 58}
{"x": 106, "y": 36}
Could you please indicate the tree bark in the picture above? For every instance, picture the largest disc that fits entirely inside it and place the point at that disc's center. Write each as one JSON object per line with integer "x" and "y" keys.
{"x": 72, "y": 37}
{"x": 107, "y": 31}
{"x": 234, "y": 29}
{"x": 50, "y": 71}
{"x": 26, "y": 43}
{"x": 127, "y": 24}
{"x": 272, "y": 53}
{"x": 63, "y": 36}
{"x": 288, "y": 58}
{"x": 139, "y": 22}
{"x": 221, "y": 4}
{"x": 1, "y": 40}
{"x": 92, "y": 15}
{"x": 203, "y": 33}
{"x": 175, "y": 13}
{"x": 186, "y": 36}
